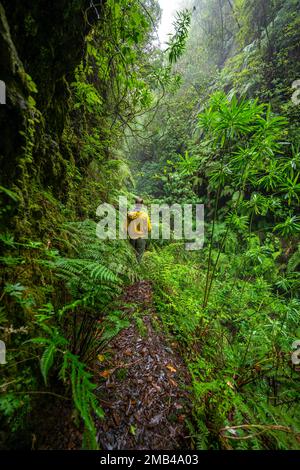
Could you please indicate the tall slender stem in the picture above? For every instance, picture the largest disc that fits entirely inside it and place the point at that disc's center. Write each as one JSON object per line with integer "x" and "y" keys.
{"x": 210, "y": 247}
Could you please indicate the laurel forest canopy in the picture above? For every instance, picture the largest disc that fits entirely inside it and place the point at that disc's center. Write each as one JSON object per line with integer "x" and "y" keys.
{"x": 96, "y": 108}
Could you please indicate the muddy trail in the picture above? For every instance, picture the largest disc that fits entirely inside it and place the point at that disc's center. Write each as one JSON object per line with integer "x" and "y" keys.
{"x": 142, "y": 386}
{"x": 145, "y": 395}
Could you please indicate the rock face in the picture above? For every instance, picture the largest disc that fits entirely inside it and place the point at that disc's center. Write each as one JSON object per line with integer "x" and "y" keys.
{"x": 13, "y": 113}
{"x": 50, "y": 41}
{"x": 41, "y": 44}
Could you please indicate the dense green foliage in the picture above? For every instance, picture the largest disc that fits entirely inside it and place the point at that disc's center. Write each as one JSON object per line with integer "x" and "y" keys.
{"x": 246, "y": 395}
{"x": 95, "y": 110}
{"x": 229, "y": 138}
{"x": 60, "y": 161}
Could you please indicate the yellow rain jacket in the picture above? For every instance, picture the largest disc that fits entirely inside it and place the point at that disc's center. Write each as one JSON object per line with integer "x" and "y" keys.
{"x": 138, "y": 224}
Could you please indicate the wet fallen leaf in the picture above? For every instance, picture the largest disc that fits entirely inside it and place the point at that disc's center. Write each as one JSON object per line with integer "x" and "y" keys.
{"x": 105, "y": 373}
{"x": 156, "y": 420}
{"x": 116, "y": 419}
{"x": 178, "y": 406}
{"x": 157, "y": 387}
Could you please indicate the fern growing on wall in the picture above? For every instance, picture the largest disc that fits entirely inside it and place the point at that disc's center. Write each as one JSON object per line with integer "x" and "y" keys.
{"x": 75, "y": 318}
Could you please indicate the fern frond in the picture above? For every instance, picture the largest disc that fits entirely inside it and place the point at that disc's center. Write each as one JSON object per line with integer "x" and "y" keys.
{"x": 47, "y": 360}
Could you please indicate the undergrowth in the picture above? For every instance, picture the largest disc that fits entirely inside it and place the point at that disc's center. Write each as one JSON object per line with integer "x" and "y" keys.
{"x": 69, "y": 315}
{"x": 237, "y": 349}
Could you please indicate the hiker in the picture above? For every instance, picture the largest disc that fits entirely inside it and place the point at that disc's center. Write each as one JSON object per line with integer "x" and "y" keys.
{"x": 138, "y": 227}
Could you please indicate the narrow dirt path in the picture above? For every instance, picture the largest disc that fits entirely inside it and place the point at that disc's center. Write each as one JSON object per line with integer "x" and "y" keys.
{"x": 143, "y": 385}
{"x": 142, "y": 388}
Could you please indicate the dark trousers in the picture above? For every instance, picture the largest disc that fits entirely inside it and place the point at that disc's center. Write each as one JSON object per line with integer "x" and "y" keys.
{"x": 139, "y": 245}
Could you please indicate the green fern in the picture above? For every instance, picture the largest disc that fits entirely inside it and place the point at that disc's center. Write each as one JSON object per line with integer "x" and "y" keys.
{"x": 74, "y": 371}
{"x": 47, "y": 360}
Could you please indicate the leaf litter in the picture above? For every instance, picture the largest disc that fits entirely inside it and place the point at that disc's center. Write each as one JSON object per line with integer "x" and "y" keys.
{"x": 145, "y": 406}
